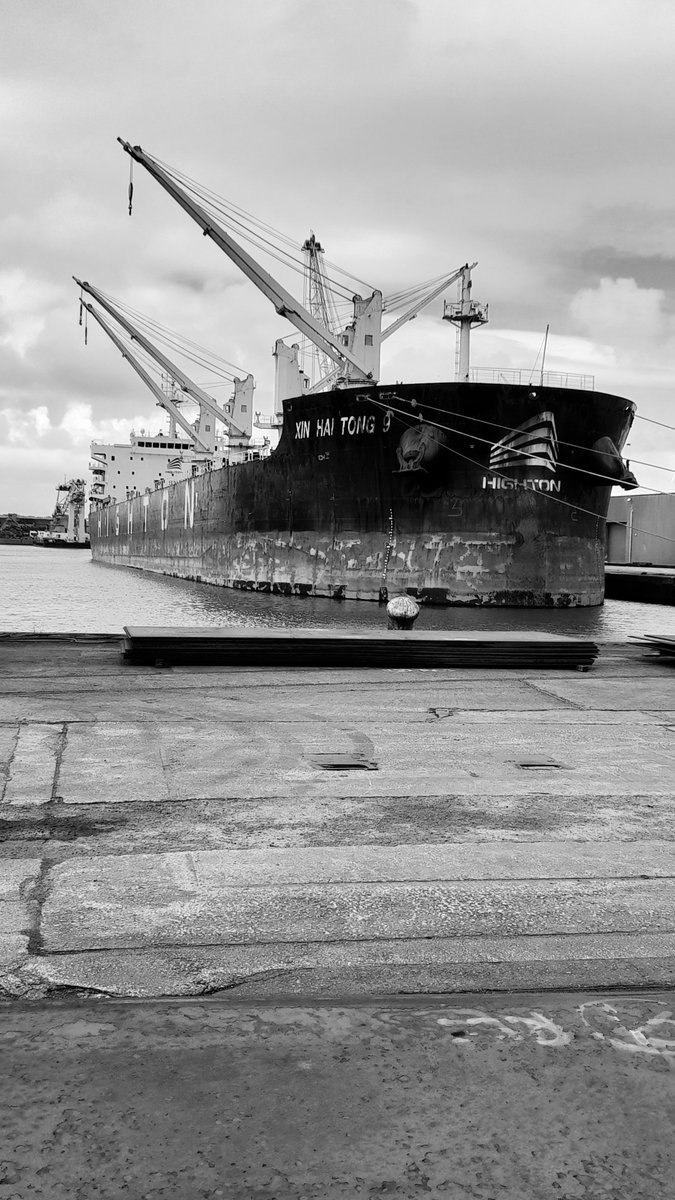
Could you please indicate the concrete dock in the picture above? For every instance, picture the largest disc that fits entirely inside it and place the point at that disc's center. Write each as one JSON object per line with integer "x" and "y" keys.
{"x": 646, "y": 584}
{"x": 187, "y": 831}
{"x": 324, "y": 933}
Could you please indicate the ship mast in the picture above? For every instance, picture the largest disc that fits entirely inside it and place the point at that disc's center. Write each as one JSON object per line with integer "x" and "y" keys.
{"x": 464, "y": 314}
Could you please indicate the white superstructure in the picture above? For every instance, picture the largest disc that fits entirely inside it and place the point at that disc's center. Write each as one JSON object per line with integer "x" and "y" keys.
{"x": 149, "y": 461}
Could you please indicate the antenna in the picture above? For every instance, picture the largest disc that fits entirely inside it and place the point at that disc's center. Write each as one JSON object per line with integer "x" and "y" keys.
{"x": 543, "y": 355}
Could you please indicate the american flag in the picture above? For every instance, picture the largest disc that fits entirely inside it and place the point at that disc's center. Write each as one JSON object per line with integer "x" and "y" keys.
{"x": 174, "y": 464}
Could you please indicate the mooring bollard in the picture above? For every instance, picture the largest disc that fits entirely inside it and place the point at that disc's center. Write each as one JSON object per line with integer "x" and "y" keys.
{"x": 402, "y": 612}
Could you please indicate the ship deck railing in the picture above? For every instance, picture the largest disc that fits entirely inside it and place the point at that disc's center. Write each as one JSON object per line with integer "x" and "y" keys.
{"x": 560, "y": 379}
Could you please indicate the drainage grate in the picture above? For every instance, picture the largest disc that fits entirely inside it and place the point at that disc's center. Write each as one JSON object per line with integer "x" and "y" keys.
{"x": 536, "y": 763}
{"x": 342, "y": 762}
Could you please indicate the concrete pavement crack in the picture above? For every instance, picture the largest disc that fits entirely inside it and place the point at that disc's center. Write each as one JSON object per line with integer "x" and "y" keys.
{"x": 561, "y": 700}
{"x": 60, "y": 751}
{"x": 35, "y": 896}
{"x": 238, "y": 981}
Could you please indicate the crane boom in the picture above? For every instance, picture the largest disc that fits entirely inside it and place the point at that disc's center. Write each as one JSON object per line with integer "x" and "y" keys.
{"x": 284, "y": 303}
{"x": 412, "y": 312}
{"x": 186, "y": 384}
{"x": 156, "y": 390}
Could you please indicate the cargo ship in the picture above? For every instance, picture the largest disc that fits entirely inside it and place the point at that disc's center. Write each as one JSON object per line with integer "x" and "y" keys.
{"x": 466, "y": 492}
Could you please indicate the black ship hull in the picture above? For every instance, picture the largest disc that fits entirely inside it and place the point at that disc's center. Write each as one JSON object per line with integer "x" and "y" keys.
{"x": 457, "y": 493}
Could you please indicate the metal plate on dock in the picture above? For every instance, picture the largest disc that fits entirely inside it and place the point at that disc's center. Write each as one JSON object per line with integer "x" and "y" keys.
{"x": 661, "y": 644}
{"x": 370, "y": 648}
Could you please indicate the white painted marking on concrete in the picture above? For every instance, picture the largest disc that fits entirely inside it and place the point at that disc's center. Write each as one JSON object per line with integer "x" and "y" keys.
{"x": 546, "y": 1031}
{"x": 480, "y": 1018}
{"x": 642, "y": 1039}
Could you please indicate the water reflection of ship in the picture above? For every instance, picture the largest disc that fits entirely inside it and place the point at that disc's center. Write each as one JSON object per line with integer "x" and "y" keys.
{"x": 467, "y": 492}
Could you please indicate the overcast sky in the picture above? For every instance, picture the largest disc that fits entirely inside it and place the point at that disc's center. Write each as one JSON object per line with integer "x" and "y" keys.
{"x": 535, "y": 136}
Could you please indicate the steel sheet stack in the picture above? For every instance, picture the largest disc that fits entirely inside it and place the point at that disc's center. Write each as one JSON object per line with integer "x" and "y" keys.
{"x": 660, "y": 643}
{"x": 353, "y": 649}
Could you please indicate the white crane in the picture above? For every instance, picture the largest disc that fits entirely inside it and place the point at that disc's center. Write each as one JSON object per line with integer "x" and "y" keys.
{"x": 354, "y": 351}
{"x": 358, "y": 369}
{"x": 210, "y": 412}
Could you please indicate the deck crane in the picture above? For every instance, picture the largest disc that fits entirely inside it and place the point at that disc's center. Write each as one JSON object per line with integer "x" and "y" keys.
{"x": 355, "y": 351}
{"x": 409, "y": 315}
{"x": 204, "y": 434}
{"x": 161, "y": 397}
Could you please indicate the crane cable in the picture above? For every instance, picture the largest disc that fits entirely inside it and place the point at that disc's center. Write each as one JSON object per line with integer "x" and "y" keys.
{"x": 193, "y": 351}
{"x": 243, "y": 222}
{"x": 572, "y": 445}
{"x": 225, "y": 211}
{"x": 400, "y": 414}
{"x": 222, "y": 204}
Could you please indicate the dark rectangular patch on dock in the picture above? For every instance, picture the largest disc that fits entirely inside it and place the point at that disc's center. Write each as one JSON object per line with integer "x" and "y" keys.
{"x": 538, "y": 763}
{"x": 342, "y": 762}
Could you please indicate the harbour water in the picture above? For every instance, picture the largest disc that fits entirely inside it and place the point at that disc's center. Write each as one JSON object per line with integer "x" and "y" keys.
{"x": 63, "y": 591}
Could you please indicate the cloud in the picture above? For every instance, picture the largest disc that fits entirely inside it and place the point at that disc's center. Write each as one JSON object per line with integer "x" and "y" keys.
{"x": 75, "y": 430}
{"x": 630, "y": 317}
{"x": 22, "y": 428}
{"x": 24, "y": 305}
